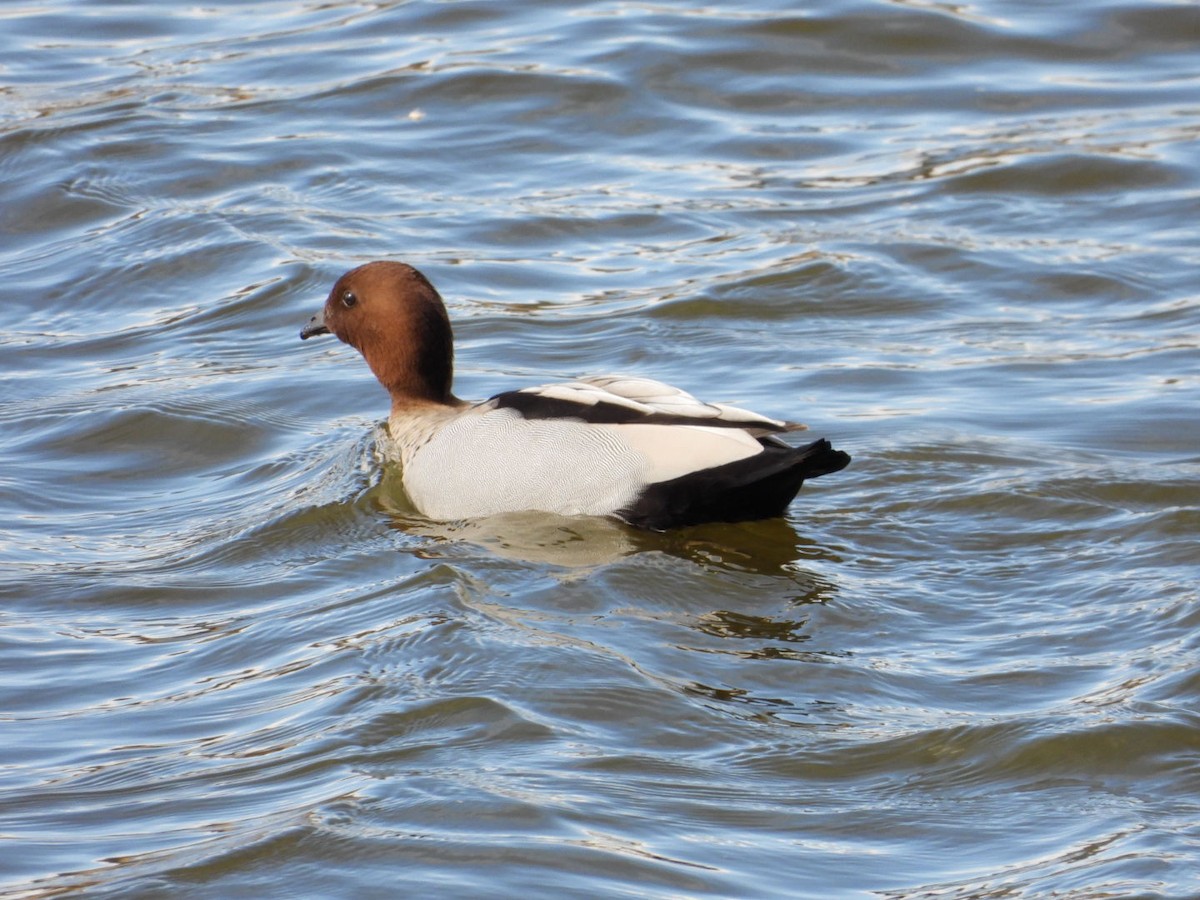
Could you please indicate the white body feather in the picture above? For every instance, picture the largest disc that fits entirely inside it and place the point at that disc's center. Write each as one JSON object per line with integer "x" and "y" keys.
{"x": 484, "y": 460}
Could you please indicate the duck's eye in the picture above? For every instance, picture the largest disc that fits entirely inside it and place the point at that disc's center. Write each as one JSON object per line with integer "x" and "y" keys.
{"x": 348, "y": 299}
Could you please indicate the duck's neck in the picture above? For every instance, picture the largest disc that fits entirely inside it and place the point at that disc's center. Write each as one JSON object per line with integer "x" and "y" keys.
{"x": 409, "y": 404}
{"x": 414, "y": 358}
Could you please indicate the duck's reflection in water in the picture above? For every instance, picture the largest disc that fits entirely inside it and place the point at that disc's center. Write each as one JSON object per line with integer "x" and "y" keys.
{"x": 767, "y": 547}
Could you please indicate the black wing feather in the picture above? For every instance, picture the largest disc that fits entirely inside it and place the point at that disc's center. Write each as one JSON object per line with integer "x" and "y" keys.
{"x": 532, "y": 405}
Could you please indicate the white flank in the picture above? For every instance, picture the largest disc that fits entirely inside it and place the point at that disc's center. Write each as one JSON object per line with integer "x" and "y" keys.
{"x": 675, "y": 450}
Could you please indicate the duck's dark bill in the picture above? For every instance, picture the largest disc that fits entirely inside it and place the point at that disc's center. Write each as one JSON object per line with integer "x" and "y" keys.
{"x": 315, "y": 326}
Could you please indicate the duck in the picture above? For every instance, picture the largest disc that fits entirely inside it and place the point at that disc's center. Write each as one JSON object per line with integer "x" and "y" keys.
{"x": 625, "y": 447}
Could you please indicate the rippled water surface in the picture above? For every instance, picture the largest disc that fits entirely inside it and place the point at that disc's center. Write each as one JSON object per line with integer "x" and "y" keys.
{"x": 959, "y": 240}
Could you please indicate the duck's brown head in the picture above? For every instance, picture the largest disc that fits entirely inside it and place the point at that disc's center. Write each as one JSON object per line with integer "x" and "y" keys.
{"x": 393, "y": 316}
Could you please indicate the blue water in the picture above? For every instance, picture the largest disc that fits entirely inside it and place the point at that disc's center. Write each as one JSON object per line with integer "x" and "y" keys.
{"x": 959, "y": 240}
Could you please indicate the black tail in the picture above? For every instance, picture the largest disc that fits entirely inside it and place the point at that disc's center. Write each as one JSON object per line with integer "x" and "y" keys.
{"x": 819, "y": 458}
{"x": 758, "y": 487}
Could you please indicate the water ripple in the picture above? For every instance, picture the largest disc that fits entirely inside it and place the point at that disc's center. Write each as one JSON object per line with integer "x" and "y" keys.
{"x": 958, "y": 240}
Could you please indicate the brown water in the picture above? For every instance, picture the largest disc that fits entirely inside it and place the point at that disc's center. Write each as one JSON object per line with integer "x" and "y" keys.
{"x": 958, "y": 240}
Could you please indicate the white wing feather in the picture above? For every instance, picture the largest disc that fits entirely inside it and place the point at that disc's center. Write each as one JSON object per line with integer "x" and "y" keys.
{"x": 650, "y": 397}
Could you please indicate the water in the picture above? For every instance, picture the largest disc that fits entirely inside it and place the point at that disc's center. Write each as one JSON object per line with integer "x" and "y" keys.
{"x": 958, "y": 240}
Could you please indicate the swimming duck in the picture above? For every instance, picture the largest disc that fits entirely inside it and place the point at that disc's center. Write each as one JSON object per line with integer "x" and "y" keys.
{"x": 635, "y": 449}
